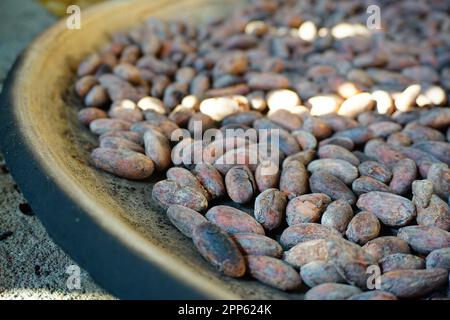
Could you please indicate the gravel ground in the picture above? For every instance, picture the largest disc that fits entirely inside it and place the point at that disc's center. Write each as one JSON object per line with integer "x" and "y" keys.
{"x": 32, "y": 266}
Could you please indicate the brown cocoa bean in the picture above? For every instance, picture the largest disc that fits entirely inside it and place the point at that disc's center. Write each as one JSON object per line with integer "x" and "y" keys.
{"x": 350, "y": 260}
{"x": 367, "y": 184}
{"x": 425, "y": 239}
{"x": 337, "y": 215}
{"x": 306, "y": 208}
{"x": 258, "y": 245}
{"x": 303, "y": 232}
{"x": 318, "y": 272}
{"x": 233, "y": 220}
{"x": 331, "y": 151}
{"x": 84, "y": 85}
{"x": 304, "y": 157}
{"x": 127, "y": 135}
{"x": 438, "y": 149}
{"x": 318, "y": 127}
{"x": 267, "y": 81}
{"x": 168, "y": 192}
{"x": 391, "y": 209}
{"x": 332, "y": 291}
{"x": 363, "y": 227}
{"x": 404, "y": 173}
{"x": 219, "y": 249}
{"x": 413, "y": 283}
{"x": 120, "y": 143}
{"x": 211, "y": 179}
{"x": 359, "y": 135}
{"x": 306, "y": 252}
{"x": 373, "y": 295}
{"x": 338, "y": 141}
{"x": 184, "y": 219}
{"x": 157, "y": 148}
{"x": 273, "y": 272}
{"x": 375, "y": 170}
{"x": 305, "y": 139}
{"x": 323, "y": 182}
{"x": 267, "y": 176}
{"x": 294, "y": 179}
{"x": 439, "y": 258}
{"x": 341, "y": 169}
{"x": 269, "y": 208}
{"x": 399, "y": 139}
{"x": 240, "y": 184}
{"x": 87, "y": 115}
{"x": 101, "y": 126}
{"x": 383, "y": 129}
{"x": 384, "y": 246}
{"x": 123, "y": 163}
{"x": 436, "y": 214}
{"x": 401, "y": 261}
{"x": 439, "y": 175}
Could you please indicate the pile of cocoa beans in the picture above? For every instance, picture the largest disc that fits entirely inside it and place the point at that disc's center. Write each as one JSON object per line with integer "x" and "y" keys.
{"x": 356, "y": 202}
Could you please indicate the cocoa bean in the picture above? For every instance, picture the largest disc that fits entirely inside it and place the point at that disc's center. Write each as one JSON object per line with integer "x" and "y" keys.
{"x": 269, "y": 208}
{"x": 337, "y": 215}
{"x": 258, "y": 245}
{"x": 373, "y": 295}
{"x": 413, "y": 283}
{"x": 331, "y": 151}
{"x": 240, "y": 184}
{"x": 375, "y": 170}
{"x": 341, "y": 169}
{"x": 273, "y": 272}
{"x": 392, "y": 210}
{"x": 323, "y": 182}
{"x": 157, "y": 148}
{"x": 363, "y": 227}
{"x": 384, "y": 246}
{"x": 425, "y": 239}
{"x": 211, "y": 179}
{"x": 332, "y": 291}
{"x": 303, "y": 232}
{"x": 318, "y": 272}
{"x": 219, "y": 249}
{"x": 184, "y": 219}
{"x": 401, "y": 261}
{"x": 233, "y": 220}
{"x": 439, "y": 258}
{"x": 294, "y": 179}
{"x": 306, "y": 208}
{"x": 123, "y": 163}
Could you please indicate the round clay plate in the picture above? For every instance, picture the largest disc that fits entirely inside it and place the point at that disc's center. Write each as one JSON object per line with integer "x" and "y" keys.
{"x": 106, "y": 224}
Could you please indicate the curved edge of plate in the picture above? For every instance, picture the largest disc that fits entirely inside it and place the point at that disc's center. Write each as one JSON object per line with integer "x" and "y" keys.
{"x": 86, "y": 241}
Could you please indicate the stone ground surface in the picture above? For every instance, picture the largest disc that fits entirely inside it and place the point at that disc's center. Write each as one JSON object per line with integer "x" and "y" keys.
{"x": 32, "y": 266}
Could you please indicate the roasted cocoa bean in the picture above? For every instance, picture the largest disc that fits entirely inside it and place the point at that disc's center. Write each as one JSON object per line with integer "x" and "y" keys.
{"x": 363, "y": 227}
{"x": 269, "y": 208}
{"x": 425, "y": 239}
{"x": 323, "y": 182}
{"x": 401, "y": 261}
{"x": 219, "y": 249}
{"x": 273, "y": 272}
{"x": 384, "y": 246}
{"x": 233, "y": 220}
{"x": 123, "y": 163}
{"x": 258, "y": 245}
{"x": 413, "y": 283}
{"x": 332, "y": 291}
{"x": 391, "y": 209}
{"x": 184, "y": 219}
